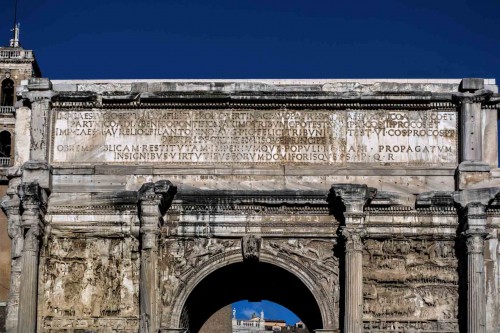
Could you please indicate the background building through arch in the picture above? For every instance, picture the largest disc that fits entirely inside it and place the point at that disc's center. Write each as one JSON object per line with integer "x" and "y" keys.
{"x": 255, "y": 282}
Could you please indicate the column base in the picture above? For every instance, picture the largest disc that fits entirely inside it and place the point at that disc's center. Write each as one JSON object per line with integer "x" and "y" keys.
{"x": 326, "y": 330}
{"x": 173, "y": 330}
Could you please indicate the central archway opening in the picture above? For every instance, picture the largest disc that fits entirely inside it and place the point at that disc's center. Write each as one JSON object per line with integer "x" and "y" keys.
{"x": 253, "y": 282}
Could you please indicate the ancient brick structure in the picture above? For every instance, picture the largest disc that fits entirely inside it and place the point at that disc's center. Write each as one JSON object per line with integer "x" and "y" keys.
{"x": 148, "y": 205}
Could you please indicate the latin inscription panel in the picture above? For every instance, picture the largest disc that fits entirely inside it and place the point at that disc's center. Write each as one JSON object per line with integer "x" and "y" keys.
{"x": 254, "y": 137}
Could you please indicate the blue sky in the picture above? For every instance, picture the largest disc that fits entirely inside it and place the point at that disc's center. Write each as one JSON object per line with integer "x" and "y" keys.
{"x": 125, "y": 39}
{"x": 259, "y": 38}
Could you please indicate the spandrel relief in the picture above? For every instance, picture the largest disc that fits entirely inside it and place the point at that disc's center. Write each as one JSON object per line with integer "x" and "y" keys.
{"x": 410, "y": 279}
{"x": 90, "y": 278}
{"x": 179, "y": 259}
{"x": 318, "y": 259}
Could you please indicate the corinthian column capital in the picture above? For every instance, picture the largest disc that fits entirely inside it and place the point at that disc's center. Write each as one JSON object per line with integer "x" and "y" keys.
{"x": 475, "y": 243}
{"x": 154, "y": 201}
{"x": 353, "y": 196}
{"x": 353, "y": 239}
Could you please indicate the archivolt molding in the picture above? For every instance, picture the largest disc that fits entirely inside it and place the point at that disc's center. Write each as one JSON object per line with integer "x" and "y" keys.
{"x": 295, "y": 256}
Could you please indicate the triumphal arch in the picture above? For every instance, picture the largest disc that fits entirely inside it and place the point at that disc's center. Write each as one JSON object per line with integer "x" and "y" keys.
{"x": 361, "y": 205}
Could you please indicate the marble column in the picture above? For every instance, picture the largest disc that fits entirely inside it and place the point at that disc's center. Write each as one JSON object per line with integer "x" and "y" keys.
{"x": 154, "y": 199}
{"x": 32, "y": 221}
{"x": 470, "y": 100}
{"x": 352, "y": 198}
{"x": 470, "y": 109}
{"x": 353, "y": 307}
{"x": 40, "y": 95}
{"x": 476, "y": 296}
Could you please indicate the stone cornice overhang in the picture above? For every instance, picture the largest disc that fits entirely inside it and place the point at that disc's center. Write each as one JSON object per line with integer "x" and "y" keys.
{"x": 258, "y": 100}
{"x": 222, "y": 202}
{"x": 231, "y": 213}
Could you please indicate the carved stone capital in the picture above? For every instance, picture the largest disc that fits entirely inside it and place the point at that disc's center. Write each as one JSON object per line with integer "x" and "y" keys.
{"x": 33, "y": 198}
{"x": 435, "y": 200}
{"x": 34, "y": 204}
{"x": 353, "y": 196}
{"x": 250, "y": 247}
{"x": 32, "y": 239}
{"x": 475, "y": 241}
{"x": 476, "y": 211}
{"x": 154, "y": 201}
{"x": 482, "y": 195}
{"x": 10, "y": 204}
{"x": 353, "y": 239}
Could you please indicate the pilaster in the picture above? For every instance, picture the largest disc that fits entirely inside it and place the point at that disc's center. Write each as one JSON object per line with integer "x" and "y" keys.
{"x": 473, "y": 205}
{"x": 40, "y": 95}
{"x": 353, "y": 197}
{"x": 154, "y": 200}
{"x": 33, "y": 201}
{"x": 473, "y": 169}
{"x": 475, "y": 234}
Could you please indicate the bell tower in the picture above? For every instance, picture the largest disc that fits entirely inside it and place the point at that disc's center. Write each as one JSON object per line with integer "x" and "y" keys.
{"x": 16, "y": 64}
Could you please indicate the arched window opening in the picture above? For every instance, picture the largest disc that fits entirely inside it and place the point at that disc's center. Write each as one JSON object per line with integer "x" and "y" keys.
{"x": 5, "y": 148}
{"x": 7, "y": 92}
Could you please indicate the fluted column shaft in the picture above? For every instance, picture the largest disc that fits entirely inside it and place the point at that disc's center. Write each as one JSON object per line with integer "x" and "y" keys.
{"x": 154, "y": 200}
{"x": 353, "y": 198}
{"x": 353, "y": 306}
{"x": 29, "y": 283}
{"x": 32, "y": 223}
{"x": 476, "y": 300}
{"x": 150, "y": 222}
{"x": 476, "y": 296}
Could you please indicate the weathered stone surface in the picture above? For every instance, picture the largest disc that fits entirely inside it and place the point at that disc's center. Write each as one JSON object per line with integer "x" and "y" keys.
{"x": 257, "y": 137}
{"x": 410, "y": 279}
{"x": 93, "y": 280}
{"x": 358, "y": 190}
{"x": 472, "y": 84}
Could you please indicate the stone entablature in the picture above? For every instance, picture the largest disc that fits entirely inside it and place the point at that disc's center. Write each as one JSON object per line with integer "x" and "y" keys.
{"x": 329, "y": 122}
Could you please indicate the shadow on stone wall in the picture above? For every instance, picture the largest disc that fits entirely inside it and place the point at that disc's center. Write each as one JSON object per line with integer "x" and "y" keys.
{"x": 3, "y": 314}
